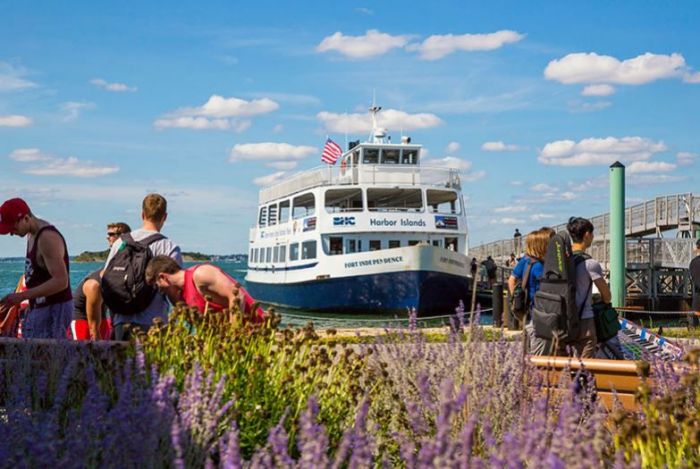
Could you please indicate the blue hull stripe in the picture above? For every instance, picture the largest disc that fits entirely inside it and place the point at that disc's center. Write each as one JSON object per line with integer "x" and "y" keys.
{"x": 429, "y": 292}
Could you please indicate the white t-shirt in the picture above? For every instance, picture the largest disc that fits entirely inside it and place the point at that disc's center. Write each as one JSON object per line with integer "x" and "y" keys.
{"x": 159, "y": 306}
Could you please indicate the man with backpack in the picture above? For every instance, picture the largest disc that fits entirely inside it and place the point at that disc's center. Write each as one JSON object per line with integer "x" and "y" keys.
{"x": 563, "y": 309}
{"x": 134, "y": 303}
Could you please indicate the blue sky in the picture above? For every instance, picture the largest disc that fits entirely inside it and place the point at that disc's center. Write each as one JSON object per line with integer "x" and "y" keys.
{"x": 100, "y": 104}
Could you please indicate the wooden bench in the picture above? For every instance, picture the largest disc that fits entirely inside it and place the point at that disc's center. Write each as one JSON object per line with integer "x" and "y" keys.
{"x": 613, "y": 378}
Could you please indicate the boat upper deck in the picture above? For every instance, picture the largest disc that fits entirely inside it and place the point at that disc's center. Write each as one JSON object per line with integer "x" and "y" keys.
{"x": 368, "y": 164}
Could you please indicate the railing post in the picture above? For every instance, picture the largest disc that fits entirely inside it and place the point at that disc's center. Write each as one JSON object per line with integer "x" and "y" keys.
{"x": 497, "y": 304}
{"x": 618, "y": 265}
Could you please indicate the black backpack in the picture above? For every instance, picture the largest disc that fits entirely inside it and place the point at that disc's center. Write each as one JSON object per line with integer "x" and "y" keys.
{"x": 124, "y": 288}
{"x": 520, "y": 300}
{"x": 555, "y": 314}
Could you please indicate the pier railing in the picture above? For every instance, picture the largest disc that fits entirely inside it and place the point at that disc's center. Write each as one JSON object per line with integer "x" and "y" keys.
{"x": 363, "y": 174}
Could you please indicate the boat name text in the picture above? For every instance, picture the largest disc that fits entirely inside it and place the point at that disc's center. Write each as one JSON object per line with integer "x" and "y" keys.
{"x": 379, "y": 261}
{"x": 402, "y": 222}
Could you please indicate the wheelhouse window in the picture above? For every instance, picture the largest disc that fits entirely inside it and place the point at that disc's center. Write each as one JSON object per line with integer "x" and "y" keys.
{"x": 390, "y": 156}
{"x": 272, "y": 215}
{"x": 375, "y": 245}
{"x": 370, "y": 156}
{"x": 294, "y": 252}
{"x": 284, "y": 211}
{"x": 343, "y": 200}
{"x": 409, "y": 157}
{"x": 440, "y": 201}
{"x": 303, "y": 206}
{"x": 394, "y": 200}
{"x": 308, "y": 250}
{"x": 262, "y": 217}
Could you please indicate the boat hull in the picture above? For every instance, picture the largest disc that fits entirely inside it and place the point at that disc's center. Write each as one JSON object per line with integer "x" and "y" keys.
{"x": 430, "y": 292}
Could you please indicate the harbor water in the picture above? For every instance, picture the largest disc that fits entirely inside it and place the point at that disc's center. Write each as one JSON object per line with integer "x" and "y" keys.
{"x": 12, "y": 269}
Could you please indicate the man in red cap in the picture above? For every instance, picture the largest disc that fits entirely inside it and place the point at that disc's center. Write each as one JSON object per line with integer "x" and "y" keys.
{"x": 45, "y": 271}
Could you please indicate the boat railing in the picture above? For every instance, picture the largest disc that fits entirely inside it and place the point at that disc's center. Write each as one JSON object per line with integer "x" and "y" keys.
{"x": 364, "y": 174}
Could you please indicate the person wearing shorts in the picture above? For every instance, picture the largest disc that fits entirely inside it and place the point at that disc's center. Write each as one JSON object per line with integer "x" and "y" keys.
{"x": 46, "y": 272}
{"x": 89, "y": 313}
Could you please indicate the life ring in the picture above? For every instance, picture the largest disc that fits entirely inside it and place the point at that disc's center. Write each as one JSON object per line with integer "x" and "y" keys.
{"x": 343, "y": 167}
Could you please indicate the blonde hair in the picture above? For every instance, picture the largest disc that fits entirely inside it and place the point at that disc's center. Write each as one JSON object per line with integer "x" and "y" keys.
{"x": 536, "y": 242}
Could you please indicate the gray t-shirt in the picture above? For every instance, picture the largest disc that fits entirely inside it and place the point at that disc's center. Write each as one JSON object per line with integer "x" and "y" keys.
{"x": 586, "y": 273}
{"x": 158, "y": 308}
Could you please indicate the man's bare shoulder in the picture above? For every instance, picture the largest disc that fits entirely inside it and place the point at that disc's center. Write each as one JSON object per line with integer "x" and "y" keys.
{"x": 49, "y": 242}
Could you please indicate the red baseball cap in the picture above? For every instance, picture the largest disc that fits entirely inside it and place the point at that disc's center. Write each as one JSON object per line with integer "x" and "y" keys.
{"x": 10, "y": 212}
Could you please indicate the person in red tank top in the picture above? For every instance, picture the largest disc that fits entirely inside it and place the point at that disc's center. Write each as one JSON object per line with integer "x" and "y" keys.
{"x": 46, "y": 272}
{"x": 192, "y": 285}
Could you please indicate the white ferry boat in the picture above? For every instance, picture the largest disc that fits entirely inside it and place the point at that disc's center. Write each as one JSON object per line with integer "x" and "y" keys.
{"x": 378, "y": 232}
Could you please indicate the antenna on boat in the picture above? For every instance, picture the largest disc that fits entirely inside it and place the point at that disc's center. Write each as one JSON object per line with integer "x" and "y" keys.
{"x": 377, "y": 135}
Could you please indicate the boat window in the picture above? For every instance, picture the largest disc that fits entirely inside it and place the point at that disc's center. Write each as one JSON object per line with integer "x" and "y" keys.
{"x": 343, "y": 200}
{"x": 268, "y": 255}
{"x": 375, "y": 245}
{"x": 370, "y": 156}
{"x": 409, "y": 157}
{"x": 256, "y": 255}
{"x": 283, "y": 253}
{"x": 394, "y": 243}
{"x": 272, "y": 215}
{"x": 359, "y": 245}
{"x": 276, "y": 254}
{"x": 355, "y": 157}
{"x": 336, "y": 245}
{"x": 451, "y": 244}
{"x": 303, "y": 205}
{"x": 262, "y": 218}
{"x": 436, "y": 243}
{"x": 390, "y": 156}
{"x": 413, "y": 242}
{"x": 443, "y": 201}
{"x": 394, "y": 200}
{"x": 294, "y": 251}
{"x": 250, "y": 256}
{"x": 352, "y": 246}
{"x": 284, "y": 211}
{"x": 308, "y": 250}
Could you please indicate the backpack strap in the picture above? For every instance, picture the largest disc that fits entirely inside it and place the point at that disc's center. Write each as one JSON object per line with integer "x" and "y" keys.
{"x": 151, "y": 239}
{"x": 526, "y": 278}
{"x": 582, "y": 257}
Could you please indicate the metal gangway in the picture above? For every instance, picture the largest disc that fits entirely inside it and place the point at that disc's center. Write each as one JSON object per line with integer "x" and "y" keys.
{"x": 656, "y": 266}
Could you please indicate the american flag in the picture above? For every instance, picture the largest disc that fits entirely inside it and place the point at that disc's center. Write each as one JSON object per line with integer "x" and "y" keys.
{"x": 331, "y": 152}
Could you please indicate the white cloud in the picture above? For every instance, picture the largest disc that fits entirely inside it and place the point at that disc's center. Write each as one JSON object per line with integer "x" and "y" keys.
{"x": 542, "y": 187}
{"x": 541, "y": 216}
{"x": 498, "y": 146}
{"x": 217, "y": 113}
{"x": 463, "y": 166}
{"x": 115, "y": 87}
{"x": 692, "y": 77}
{"x": 270, "y": 151}
{"x": 270, "y": 179}
{"x": 594, "y": 68}
{"x": 45, "y": 164}
{"x": 516, "y": 183}
{"x": 392, "y": 119}
{"x": 12, "y": 78}
{"x": 589, "y": 107}
{"x": 438, "y": 46}
{"x": 506, "y": 221}
{"x": 365, "y": 11}
{"x": 649, "y": 179}
{"x": 685, "y": 158}
{"x": 278, "y": 128}
{"x": 598, "y": 90}
{"x": 452, "y": 148}
{"x": 29, "y": 155}
{"x": 372, "y": 44}
{"x": 649, "y": 167}
{"x": 599, "y": 151}
{"x": 512, "y": 209}
{"x": 15, "y": 120}
{"x": 72, "y": 109}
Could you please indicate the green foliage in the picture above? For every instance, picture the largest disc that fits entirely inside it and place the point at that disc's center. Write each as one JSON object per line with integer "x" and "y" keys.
{"x": 667, "y": 432}
{"x": 268, "y": 372}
